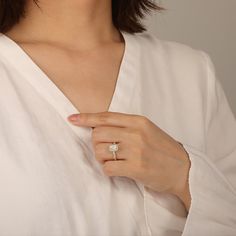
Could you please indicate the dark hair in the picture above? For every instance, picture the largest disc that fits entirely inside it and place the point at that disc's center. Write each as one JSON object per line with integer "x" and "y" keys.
{"x": 126, "y": 14}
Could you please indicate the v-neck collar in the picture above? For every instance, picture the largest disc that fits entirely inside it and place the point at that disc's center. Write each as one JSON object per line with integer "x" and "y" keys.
{"x": 123, "y": 91}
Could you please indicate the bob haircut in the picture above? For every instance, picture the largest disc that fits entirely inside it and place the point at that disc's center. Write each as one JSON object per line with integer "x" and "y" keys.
{"x": 126, "y": 14}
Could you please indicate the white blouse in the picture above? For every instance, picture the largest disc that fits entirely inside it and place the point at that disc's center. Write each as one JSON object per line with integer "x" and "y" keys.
{"x": 52, "y": 185}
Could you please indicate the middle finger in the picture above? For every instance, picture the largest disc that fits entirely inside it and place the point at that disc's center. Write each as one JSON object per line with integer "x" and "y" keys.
{"x": 109, "y": 134}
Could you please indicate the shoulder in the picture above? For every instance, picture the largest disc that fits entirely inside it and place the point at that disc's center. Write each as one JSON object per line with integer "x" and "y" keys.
{"x": 169, "y": 47}
{"x": 174, "y": 52}
{"x": 183, "y": 63}
{"x": 184, "y": 71}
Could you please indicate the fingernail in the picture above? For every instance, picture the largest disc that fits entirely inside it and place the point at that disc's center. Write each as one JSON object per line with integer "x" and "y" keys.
{"x": 74, "y": 118}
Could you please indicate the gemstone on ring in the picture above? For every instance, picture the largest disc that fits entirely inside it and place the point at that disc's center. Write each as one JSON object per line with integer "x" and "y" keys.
{"x": 113, "y": 147}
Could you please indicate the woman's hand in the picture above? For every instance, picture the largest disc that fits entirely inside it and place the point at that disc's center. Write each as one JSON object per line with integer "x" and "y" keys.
{"x": 146, "y": 153}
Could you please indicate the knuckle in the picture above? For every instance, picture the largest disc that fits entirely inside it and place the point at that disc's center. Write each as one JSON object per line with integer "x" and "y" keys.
{"x": 139, "y": 137}
{"x": 143, "y": 121}
{"x": 134, "y": 117}
{"x": 130, "y": 133}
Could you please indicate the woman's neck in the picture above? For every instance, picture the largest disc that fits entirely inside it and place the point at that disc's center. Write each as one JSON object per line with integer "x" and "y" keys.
{"x": 80, "y": 24}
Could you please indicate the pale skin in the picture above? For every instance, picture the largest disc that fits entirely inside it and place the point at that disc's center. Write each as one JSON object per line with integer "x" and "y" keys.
{"x": 71, "y": 41}
{"x": 147, "y": 154}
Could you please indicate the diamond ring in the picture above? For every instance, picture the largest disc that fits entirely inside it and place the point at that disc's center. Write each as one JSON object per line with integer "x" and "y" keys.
{"x": 114, "y": 148}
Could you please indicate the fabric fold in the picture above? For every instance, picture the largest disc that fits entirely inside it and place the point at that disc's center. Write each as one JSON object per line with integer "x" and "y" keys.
{"x": 213, "y": 204}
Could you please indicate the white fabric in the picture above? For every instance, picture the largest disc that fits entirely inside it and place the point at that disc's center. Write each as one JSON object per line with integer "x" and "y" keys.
{"x": 50, "y": 181}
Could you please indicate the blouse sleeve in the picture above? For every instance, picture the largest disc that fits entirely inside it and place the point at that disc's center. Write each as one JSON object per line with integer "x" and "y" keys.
{"x": 212, "y": 175}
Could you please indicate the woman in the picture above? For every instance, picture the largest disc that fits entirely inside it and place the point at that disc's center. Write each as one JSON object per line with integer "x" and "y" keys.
{"x": 107, "y": 130}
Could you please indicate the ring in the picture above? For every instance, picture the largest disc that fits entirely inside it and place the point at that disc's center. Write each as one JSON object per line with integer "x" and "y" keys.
{"x": 114, "y": 148}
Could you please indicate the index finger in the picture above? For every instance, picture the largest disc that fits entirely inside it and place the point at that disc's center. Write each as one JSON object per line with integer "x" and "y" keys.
{"x": 104, "y": 119}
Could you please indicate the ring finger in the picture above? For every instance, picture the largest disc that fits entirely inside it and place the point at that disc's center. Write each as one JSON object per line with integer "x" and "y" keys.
{"x": 103, "y": 154}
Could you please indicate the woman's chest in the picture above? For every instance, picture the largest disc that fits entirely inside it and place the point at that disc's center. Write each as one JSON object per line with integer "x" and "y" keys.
{"x": 88, "y": 80}
{"x": 61, "y": 184}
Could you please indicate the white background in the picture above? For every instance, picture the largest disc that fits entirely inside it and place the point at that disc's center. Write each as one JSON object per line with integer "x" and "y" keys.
{"x": 209, "y": 25}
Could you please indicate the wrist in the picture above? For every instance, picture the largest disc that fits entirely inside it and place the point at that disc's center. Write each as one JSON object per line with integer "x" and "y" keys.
{"x": 182, "y": 190}
{"x": 185, "y": 196}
